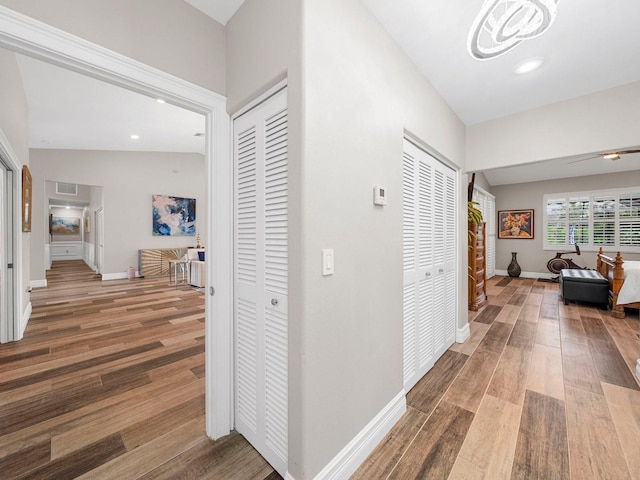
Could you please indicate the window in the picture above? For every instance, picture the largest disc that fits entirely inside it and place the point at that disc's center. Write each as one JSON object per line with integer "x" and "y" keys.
{"x": 608, "y": 219}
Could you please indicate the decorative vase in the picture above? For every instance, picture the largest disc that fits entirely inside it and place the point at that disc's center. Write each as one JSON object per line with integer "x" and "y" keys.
{"x": 514, "y": 269}
{"x": 515, "y": 231}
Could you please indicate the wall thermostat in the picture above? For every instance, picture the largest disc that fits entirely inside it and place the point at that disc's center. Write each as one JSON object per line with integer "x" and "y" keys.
{"x": 379, "y": 195}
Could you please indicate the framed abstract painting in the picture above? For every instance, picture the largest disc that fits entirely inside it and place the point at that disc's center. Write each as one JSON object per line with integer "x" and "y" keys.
{"x": 173, "y": 215}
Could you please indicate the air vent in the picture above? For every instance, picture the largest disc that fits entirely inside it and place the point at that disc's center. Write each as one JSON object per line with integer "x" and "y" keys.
{"x": 67, "y": 188}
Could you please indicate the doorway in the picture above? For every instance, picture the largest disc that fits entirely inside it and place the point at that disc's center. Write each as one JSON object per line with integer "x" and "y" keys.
{"x": 8, "y": 226}
{"x": 29, "y": 37}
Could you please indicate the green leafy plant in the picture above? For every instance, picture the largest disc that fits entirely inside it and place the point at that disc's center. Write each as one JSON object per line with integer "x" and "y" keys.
{"x": 474, "y": 215}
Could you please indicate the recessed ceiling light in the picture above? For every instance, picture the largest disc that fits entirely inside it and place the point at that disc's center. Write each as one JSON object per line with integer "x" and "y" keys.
{"x": 135, "y": 137}
{"x": 528, "y": 66}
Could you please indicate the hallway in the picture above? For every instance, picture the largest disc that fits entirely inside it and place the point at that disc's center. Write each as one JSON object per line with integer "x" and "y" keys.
{"x": 108, "y": 382}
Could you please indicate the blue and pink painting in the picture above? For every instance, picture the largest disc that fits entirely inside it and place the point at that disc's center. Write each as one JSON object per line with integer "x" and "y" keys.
{"x": 174, "y": 215}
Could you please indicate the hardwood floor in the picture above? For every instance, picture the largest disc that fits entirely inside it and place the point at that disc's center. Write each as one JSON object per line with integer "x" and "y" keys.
{"x": 540, "y": 390}
{"x": 108, "y": 383}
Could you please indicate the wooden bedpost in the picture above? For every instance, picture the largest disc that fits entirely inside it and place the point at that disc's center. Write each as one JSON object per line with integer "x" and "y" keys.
{"x": 618, "y": 279}
{"x": 599, "y": 262}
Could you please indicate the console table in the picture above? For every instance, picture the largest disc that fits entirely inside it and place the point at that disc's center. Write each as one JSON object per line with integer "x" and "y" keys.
{"x": 154, "y": 262}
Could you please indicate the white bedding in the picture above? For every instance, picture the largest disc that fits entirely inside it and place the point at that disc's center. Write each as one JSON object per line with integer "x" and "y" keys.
{"x": 630, "y": 291}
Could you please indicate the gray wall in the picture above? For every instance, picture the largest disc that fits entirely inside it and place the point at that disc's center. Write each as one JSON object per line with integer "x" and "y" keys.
{"x": 531, "y": 256}
{"x": 263, "y": 45}
{"x": 361, "y": 94}
{"x": 346, "y": 128}
{"x": 14, "y": 123}
{"x": 129, "y": 179}
{"x": 167, "y": 34}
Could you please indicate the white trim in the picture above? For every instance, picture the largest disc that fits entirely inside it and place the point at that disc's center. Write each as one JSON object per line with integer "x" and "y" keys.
{"x": 117, "y": 276}
{"x": 547, "y": 276}
{"x": 24, "y": 320}
{"x": 29, "y": 36}
{"x": 9, "y": 333}
{"x": 638, "y": 369}
{"x": 38, "y": 283}
{"x": 357, "y": 450}
{"x": 463, "y": 333}
{"x": 261, "y": 98}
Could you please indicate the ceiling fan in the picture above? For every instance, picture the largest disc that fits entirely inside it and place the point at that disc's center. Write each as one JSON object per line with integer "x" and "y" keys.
{"x": 608, "y": 155}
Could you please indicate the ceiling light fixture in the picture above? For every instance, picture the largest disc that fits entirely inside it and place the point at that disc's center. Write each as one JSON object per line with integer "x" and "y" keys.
{"x": 503, "y": 24}
{"x": 135, "y": 137}
{"x": 528, "y": 66}
{"x": 611, "y": 156}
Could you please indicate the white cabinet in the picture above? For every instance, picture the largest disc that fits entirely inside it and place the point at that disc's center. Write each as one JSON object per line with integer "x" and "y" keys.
{"x": 261, "y": 278}
{"x": 429, "y": 261}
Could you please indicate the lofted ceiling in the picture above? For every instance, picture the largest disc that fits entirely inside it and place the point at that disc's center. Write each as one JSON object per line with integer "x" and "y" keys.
{"x": 592, "y": 46}
{"x": 219, "y": 10}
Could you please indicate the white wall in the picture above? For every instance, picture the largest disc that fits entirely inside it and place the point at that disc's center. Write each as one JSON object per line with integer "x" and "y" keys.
{"x": 167, "y": 34}
{"x": 128, "y": 179}
{"x": 531, "y": 256}
{"x": 263, "y": 47}
{"x": 601, "y": 121}
{"x": 361, "y": 93}
{"x": 14, "y": 123}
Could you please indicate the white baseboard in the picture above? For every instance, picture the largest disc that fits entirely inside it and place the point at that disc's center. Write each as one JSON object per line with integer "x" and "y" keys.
{"x": 114, "y": 276}
{"x": 463, "y": 333}
{"x": 38, "y": 283}
{"x": 25, "y": 319}
{"x": 358, "y": 449}
{"x": 547, "y": 276}
{"x": 117, "y": 276}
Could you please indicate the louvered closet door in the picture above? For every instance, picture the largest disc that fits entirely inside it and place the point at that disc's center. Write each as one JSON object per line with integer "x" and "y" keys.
{"x": 487, "y": 205}
{"x": 261, "y": 283}
{"x": 429, "y": 261}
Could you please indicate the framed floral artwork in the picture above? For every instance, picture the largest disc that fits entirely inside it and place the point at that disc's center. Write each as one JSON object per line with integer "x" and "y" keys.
{"x": 515, "y": 224}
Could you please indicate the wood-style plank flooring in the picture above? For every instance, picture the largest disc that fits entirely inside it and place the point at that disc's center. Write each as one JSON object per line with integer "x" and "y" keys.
{"x": 539, "y": 391}
{"x": 108, "y": 383}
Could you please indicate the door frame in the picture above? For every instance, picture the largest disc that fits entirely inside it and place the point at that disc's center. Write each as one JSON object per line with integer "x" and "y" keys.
{"x": 31, "y": 37}
{"x": 10, "y": 326}
{"x": 99, "y": 241}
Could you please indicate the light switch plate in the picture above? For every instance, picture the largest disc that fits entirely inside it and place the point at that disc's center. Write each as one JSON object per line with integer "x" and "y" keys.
{"x": 327, "y": 261}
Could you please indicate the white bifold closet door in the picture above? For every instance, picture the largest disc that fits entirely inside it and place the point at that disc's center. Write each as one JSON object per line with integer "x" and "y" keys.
{"x": 429, "y": 261}
{"x": 261, "y": 283}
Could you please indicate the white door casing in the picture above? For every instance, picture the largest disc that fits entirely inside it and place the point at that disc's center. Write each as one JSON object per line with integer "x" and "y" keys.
{"x": 261, "y": 278}
{"x": 429, "y": 261}
{"x": 487, "y": 205}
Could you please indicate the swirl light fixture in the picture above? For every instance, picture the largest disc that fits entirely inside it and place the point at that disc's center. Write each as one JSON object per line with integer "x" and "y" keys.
{"x": 503, "y": 24}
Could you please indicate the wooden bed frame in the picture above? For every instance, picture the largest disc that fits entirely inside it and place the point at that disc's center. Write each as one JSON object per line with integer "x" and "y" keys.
{"x": 612, "y": 269}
